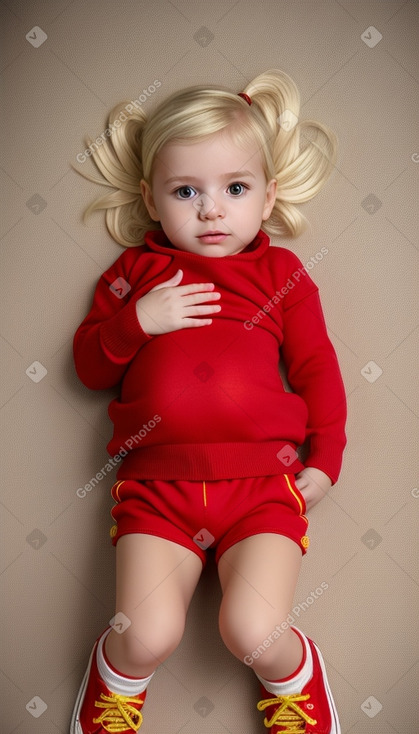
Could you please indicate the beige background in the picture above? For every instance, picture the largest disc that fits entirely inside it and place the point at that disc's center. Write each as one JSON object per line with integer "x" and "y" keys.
{"x": 57, "y": 573}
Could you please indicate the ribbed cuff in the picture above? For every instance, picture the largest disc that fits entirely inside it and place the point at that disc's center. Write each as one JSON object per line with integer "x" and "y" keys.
{"x": 122, "y": 336}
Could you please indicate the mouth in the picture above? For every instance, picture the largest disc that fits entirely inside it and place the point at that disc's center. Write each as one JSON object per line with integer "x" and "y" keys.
{"x": 212, "y": 238}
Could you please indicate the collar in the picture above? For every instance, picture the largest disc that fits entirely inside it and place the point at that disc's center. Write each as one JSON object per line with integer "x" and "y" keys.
{"x": 157, "y": 241}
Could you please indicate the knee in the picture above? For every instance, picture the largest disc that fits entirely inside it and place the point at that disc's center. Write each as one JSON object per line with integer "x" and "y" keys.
{"x": 240, "y": 633}
{"x": 247, "y": 635}
{"x": 148, "y": 642}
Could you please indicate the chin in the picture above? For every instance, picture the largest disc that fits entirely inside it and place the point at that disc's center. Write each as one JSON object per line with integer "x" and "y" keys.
{"x": 214, "y": 251}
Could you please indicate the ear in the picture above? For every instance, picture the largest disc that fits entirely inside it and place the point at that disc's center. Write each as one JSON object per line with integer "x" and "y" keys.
{"x": 270, "y": 199}
{"x": 148, "y": 200}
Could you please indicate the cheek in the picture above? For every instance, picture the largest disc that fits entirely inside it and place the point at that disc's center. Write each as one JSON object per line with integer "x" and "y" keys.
{"x": 257, "y": 206}
{"x": 174, "y": 214}
{"x": 184, "y": 210}
{"x": 165, "y": 207}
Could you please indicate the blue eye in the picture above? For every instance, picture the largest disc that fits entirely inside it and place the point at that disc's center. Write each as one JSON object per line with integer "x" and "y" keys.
{"x": 236, "y": 189}
{"x": 185, "y": 192}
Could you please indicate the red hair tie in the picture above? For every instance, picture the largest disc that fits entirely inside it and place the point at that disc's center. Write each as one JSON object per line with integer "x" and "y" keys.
{"x": 245, "y": 97}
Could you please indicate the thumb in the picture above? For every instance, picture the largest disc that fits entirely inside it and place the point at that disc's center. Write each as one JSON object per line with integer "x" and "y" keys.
{"x": 173, "y": 281}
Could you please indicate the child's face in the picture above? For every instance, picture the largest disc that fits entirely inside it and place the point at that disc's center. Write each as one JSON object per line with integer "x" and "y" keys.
{"x": 207, "y": 187}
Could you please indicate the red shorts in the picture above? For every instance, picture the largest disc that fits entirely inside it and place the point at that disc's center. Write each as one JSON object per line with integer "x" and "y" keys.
{"x": 210, "y": 514}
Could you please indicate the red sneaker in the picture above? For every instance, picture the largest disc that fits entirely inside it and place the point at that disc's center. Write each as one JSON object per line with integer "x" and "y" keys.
{"x": 310, "y": 712}
{"x": 98, "y": 710}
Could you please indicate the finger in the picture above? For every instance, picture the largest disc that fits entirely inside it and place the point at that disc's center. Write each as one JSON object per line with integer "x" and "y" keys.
{"x": 192, "y": 323}
{"x": 202, "y": 310}
{"x": 185, "y": 290}
{"x": 175, "y": 280}
{"x": 196, "y": 298}
{"x": 301, "y": 483}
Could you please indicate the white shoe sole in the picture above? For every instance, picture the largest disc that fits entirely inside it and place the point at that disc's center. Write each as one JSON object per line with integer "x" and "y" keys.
{"x": 335, "y": 728}
{"x": 75, "y": 726}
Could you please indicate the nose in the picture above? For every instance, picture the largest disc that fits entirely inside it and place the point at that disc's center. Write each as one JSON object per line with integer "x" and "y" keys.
{"x": 208, "y": 208}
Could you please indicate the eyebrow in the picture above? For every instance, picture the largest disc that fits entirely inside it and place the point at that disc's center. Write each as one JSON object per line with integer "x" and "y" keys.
{"x": 225, "y": 177}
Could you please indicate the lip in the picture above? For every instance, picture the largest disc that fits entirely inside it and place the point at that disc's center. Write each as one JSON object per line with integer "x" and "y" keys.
{"x": 212, "y": 237}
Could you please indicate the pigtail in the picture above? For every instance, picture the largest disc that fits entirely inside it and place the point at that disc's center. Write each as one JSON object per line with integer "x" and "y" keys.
{"x": 304, "y": 152}
{"x": 299, "y": 154}
{"x": 118, "y": 159}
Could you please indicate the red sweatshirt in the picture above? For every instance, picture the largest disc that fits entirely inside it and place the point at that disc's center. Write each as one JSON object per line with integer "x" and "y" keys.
{"x": 209, "y": 403}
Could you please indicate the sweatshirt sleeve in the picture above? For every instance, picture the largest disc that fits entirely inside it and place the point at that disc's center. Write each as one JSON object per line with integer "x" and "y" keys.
{"x": 110, "y": 335}
{"x": 313, "y": 373}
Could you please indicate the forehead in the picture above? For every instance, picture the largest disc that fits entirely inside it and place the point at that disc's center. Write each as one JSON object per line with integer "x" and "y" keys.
{"x": 212, "y": 156}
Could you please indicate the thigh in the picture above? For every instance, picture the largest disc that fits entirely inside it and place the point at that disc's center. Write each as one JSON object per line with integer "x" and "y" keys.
{"x": 259, "y": 575}
{"x": 154, "y": 575}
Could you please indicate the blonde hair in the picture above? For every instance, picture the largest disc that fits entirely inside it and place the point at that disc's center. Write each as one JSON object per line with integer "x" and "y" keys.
{"x": 300, "y": 155}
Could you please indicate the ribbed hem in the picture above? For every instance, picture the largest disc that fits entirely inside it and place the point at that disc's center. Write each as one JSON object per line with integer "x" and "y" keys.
{"x": 196, "y": 462}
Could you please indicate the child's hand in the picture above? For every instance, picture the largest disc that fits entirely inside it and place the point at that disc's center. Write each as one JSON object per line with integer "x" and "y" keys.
{"x": 169, "y": 306}
{"x": 313, "y": 485}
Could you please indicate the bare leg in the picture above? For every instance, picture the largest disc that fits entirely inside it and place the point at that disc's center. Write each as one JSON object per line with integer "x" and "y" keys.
{"x": 155, "y": 581}
{"x": 258, "y": 577}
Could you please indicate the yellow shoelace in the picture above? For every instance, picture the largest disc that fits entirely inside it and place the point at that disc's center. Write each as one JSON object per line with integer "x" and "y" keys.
{"x": 288, "y": 714}
{"x": 119, "y": 714}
